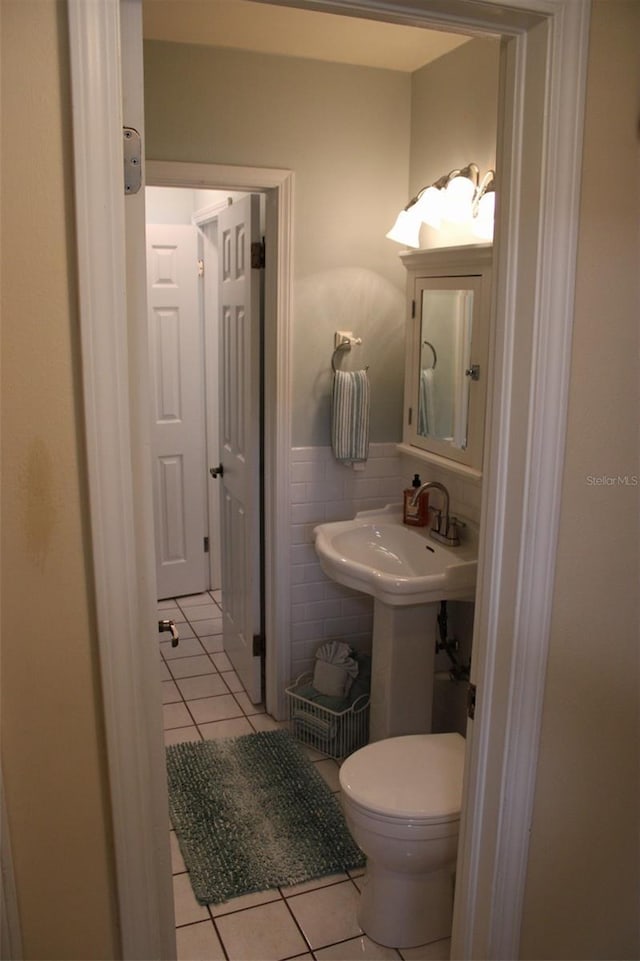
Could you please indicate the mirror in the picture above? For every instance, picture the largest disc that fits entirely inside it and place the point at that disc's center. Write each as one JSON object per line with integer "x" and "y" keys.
{"x": 446, "y": 356}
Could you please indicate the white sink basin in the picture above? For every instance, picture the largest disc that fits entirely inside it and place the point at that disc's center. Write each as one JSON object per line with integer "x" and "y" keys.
{"x": 379, "y": 555}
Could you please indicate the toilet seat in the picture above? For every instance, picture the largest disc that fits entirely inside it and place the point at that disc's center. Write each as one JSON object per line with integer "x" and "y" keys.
{"x": 416, "y": 777}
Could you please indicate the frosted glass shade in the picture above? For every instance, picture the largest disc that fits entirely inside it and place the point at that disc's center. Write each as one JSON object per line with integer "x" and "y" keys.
{"x": 458, "y": 198}
{"x": 482, "y": 225}
{"x": 429, "y": 206}
{"x": 406, "y": 229}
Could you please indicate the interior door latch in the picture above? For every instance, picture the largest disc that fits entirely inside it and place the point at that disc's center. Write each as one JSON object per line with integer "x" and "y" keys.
{"x": 132, "y": 157}
{"x": 171, "y": 627}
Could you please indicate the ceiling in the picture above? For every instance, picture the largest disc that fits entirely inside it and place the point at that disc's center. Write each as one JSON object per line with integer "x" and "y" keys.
{"x": 264, "y": 28}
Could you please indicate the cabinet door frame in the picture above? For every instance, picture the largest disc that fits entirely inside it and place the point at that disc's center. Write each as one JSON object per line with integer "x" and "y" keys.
{"x": 442, "y": 269}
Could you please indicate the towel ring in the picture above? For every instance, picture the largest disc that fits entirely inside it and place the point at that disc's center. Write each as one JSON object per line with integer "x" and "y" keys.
{"x": 345, "y": 345}
{"x": 426, "y": 343}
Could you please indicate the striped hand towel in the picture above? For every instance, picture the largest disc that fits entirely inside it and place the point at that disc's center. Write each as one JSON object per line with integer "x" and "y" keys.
{"x": 426, "y": 405}
{"x": 350, "y": 416}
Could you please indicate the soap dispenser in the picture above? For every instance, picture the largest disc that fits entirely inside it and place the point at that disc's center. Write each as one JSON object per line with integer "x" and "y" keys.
{"x": 417, "y": 515}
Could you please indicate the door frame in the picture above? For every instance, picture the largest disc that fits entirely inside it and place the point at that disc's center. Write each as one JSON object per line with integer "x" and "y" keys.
{"x": 277, "y": 185}
{"x": 544, "y": 72}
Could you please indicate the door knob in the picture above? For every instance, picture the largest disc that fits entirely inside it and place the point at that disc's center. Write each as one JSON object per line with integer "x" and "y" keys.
{"x": 216, "y": 471}
{"x": 171, "y": 627}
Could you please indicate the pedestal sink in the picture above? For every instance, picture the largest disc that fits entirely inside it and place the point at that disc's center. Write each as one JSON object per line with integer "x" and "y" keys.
{"x": 408, "y": 574}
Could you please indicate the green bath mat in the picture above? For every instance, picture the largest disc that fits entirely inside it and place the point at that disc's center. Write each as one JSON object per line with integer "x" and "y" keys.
{"x": 252, "y": 813}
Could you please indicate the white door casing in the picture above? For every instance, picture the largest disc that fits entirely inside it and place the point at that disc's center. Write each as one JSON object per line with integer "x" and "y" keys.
{"x": 544, "y": 81}
{"x": 177, "y": 404}
{"x": 240, "y": 438}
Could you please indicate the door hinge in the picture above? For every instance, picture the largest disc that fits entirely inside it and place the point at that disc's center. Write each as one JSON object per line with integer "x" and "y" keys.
{"x": 200, "y": 268}
{"x": 258, "y": 254}
{"x": 471, "y": 701}
{"x": 259, "y": 645}
{"x": 410, "y": 416}
{"x": 206, "y": 545}
{"x": 132, "y": 156}
{"x": 413, "y": 308}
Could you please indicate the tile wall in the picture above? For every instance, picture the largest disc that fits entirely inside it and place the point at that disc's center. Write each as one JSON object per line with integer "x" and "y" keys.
{"x": 323, "y": 490}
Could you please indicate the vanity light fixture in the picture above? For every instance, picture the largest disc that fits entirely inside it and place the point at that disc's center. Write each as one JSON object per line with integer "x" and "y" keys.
{"x": 457, "y": 197}
{"x": 459, "y": 194}
{"x": 484, "y": 207}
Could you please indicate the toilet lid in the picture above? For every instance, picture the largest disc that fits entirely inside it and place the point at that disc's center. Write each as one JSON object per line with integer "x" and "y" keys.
{"x": 417, "y": 776}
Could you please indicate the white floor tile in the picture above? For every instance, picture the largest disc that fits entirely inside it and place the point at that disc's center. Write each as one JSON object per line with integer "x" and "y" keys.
{"x": 436, "y": 951}
{"x": 213, "y": 643}
{"x": 178, "y": 735}
{"x": 244, "y": 901}
{"x": 177, "y": 861}
{"x": 191, "y": 666}
{"x": 313, "y": 885}
{"x": 187, "y": 647}
{"x": 170, "y": 692}
{"x": 201, "y": 612}
{"x": 194, "y": 600}
{"x": 176, "y": 715}
{"x": 330, "y": 772}
{"x": 207, "y": 685}
{"x": 165, "y": 674}
{"x": 222, "y": 662}
{"x": 328, "y": 914}
{"x": 219, "y": 708}
{"x": 234, "y": 727}
{"x": 167, "y": 604}
{"x": 264, "y": 722}
{"x": 357, "y": 949}
{"x": 265, "y": 933}
{"x": 217, "y": 596}
{"x": 199, "y": 942}
{"x": 246, "y": 704}
{"x": 232, "y": 681}
{"x": 212, "y": 625}
{"x": 186, "y": 907}
{"x": 169, "y": 613}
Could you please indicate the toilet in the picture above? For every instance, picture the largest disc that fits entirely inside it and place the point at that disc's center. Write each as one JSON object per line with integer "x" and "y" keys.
{"x": 401, "y": 799}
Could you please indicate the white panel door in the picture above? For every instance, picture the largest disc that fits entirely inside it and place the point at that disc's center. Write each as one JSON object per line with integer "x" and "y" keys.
{"x": 178, "y": 434}
{"x": 238, "y": 228}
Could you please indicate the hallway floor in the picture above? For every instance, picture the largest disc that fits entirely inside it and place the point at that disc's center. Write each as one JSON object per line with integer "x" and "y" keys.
{"x": 203, "y": 698}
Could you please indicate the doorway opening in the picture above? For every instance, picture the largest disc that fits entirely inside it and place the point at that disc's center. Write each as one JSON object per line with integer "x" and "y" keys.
{"x": 544, "y": 63}
{"x": 205, "y": 309}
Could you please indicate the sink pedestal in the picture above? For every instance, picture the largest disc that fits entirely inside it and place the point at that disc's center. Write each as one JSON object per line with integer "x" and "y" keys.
{"x": 402, "y": 664}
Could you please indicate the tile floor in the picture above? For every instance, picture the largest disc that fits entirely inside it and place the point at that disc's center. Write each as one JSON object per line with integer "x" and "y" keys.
{"x": 203, "y": 698}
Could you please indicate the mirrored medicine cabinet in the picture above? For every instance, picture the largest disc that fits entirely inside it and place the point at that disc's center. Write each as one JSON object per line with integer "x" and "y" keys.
{"x": 448, "y": 294}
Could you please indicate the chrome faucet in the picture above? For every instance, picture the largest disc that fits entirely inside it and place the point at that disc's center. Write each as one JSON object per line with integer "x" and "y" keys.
{"x": 445, "y": 528}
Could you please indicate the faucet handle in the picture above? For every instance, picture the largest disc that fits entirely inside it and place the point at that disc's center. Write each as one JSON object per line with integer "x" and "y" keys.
{"x": 454, "y": 527}
{"x": 436, "y": 515}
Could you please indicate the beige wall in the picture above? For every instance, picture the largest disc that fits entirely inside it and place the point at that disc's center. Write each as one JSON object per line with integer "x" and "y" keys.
{"x": 345, "y": 132}
{"x": 52, "y": 739}
{"x": 582, "y": 892}
{"x": 354, "y": 136}
{"x": 454, "y": 116}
